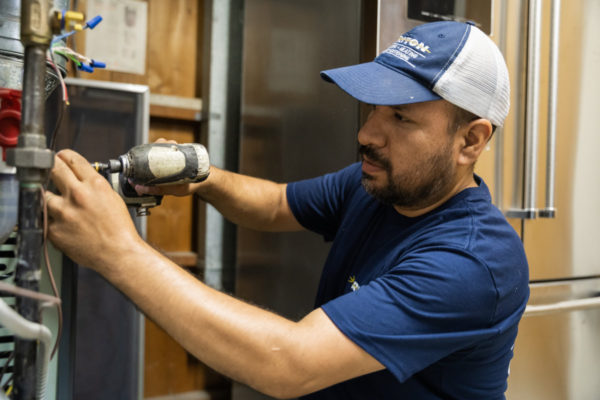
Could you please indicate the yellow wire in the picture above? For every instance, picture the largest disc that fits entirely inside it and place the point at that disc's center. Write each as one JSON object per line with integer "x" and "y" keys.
{"x": 9, "y": 391}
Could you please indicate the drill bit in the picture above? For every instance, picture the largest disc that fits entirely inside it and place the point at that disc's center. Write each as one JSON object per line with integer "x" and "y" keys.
{"x": 111, "y": 166}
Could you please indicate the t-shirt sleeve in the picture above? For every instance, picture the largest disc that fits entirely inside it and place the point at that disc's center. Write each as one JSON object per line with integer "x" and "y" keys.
{"x": 423, "y": 309}
{"x": 318, "y": 203}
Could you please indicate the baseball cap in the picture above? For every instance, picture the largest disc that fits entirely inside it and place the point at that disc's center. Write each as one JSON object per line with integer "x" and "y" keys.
{"x": 447, "y": 60}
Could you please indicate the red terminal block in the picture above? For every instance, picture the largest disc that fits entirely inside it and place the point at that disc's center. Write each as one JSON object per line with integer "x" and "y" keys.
{"x": 10, "y": 118}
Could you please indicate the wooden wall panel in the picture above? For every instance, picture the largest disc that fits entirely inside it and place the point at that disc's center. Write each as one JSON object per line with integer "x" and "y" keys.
{"x": 169, "y": 368}
{"x": 171, "y": 49}
{"x": 170, "y": 226}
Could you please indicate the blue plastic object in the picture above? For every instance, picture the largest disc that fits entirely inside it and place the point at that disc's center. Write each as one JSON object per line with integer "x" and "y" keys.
{"x": 86, "y": 68}
{"x": 63, "y": 20}
{"x": 97, "y": 64}
{"x": 93, "y": 22}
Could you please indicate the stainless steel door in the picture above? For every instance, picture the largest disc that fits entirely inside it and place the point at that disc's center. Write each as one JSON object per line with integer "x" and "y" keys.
{"x": 567, "y": 246}
{"x": 294, "y": 126}
{"x": 557, "y": 349}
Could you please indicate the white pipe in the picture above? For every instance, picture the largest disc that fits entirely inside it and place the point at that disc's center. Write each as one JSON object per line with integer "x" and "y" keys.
{"x": 25, "y": 329}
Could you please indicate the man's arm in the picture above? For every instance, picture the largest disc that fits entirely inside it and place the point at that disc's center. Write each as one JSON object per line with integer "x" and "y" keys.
{"x": 249, "y": 202}
{"x": 282, "y": 358}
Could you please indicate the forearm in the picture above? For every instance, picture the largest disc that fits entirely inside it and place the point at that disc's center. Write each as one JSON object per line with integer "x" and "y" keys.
{"x": 246, "y": 343}
{"x": 90, "y": 223}
{"x": 249, "y": 202}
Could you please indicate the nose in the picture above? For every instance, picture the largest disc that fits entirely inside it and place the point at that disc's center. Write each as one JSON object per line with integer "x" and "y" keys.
{"x": 371, "y": 133}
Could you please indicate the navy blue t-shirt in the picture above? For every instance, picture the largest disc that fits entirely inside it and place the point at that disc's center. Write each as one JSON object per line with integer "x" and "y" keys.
{"x": 436, "y": 298}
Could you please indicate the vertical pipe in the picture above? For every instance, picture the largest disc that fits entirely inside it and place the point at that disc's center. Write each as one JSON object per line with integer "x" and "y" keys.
{"x": 33, "y": 161}
{"x": 30, "y": 218}
{"x": 223, "y": 116}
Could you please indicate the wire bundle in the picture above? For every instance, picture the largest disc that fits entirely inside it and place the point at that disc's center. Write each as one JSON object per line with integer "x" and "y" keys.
{"x": 82, "y": 62}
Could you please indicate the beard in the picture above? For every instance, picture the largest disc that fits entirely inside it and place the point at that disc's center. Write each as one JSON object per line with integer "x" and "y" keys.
{"x": 423, "y": 184}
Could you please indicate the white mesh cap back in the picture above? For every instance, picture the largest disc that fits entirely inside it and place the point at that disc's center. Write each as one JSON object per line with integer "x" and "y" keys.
{"x": 477, "y": 80}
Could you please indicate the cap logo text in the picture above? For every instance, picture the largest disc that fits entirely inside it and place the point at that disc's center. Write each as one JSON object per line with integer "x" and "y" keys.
{"x": 414, "y": 43}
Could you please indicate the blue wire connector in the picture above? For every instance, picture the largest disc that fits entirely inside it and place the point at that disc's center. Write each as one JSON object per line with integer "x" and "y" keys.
{"x": 93, "y": 22}
{"x": 97, "y": 64}
{"x": 89, "y": 24}
{"x": 86, "y": 68}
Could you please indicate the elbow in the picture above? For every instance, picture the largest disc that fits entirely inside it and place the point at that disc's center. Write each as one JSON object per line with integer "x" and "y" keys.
{"x": 284, "y": 389}
{"x": 285, "y": 382}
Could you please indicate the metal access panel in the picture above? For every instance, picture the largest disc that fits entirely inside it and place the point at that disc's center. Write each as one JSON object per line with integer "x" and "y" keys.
{"x": 101, "y": 352}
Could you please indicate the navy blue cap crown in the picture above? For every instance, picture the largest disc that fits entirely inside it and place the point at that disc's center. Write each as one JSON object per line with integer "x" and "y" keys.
{"x": 451, "y": 60}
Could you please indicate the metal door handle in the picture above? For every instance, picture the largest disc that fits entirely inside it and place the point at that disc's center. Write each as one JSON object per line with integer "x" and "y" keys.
{"x": 561, "y": 306}
{"x": 529, "y": 210}
{"x": 549, "y": 210}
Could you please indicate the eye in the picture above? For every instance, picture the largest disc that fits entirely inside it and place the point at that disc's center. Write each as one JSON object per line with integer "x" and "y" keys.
{"x": 399, "y": 116}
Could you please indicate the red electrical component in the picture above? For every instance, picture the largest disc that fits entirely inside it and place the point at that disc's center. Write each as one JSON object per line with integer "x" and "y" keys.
{"x": 10, "y": 118}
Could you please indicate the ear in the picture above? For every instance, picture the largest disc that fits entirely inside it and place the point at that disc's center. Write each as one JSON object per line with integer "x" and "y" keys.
{"x": 475, "y": 136}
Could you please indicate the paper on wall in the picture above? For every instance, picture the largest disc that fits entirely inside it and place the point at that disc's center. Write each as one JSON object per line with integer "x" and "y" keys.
{"x": 120, "y": 40}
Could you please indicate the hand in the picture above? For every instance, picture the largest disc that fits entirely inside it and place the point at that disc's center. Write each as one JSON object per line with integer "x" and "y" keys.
{"x": 88, "y": 221}
{"x": 183, "y": 189}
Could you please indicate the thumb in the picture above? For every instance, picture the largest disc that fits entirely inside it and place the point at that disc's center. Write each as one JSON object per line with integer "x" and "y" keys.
{"x": 141, "y": 189}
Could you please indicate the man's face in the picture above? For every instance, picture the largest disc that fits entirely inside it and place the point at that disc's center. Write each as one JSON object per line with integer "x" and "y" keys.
{"x": 408, "y": 154}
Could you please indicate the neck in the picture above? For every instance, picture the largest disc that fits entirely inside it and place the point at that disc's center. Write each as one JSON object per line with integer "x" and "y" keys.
{"x": 467, "y": 181}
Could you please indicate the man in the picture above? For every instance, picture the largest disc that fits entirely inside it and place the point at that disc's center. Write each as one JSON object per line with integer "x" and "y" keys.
{"x": 425, "y": 283}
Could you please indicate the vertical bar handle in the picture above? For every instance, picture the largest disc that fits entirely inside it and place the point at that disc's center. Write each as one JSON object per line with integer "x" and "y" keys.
{"x": 528, "y": 209}
{"x": 549, "y": 210}
{"x": 532, "y": 116}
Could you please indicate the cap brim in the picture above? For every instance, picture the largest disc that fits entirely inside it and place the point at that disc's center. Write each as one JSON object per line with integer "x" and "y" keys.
{"x": 374, "y": 83}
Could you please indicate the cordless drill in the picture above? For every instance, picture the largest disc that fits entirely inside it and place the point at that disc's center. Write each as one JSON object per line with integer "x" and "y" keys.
{"x": 154, "y": 164}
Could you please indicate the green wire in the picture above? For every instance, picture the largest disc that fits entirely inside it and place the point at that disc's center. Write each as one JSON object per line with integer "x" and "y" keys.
{"x": 68, "y": 56}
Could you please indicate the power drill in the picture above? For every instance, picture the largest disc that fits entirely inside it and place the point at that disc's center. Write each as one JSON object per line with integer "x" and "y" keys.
{"x": 154, "y": 164}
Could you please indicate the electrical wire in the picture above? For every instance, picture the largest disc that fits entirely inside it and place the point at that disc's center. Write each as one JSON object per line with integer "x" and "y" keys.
{"x": 30, "y": 294}
{"x": 65, "y": 96}
{"x": 64, "y": 103}
{"x": 71, "y": 54}
{"x": 50, "y": 274}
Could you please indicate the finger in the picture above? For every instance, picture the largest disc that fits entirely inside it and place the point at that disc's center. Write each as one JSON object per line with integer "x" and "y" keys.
{"x": 63, "y": 176}
{"x": 53, "y": 202}
{"x": 141, "y": 190}
{"x": 163, "y": 140}
{"x": 78, "y": 164}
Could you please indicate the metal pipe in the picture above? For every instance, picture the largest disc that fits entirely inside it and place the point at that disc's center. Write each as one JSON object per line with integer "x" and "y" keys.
{"x": 33, "y": 162}
{"x": 27, "y": 276}
{"x": 223, "y": 118}
{"x": 33, "y": 97}
{"x": 549, "y": 211}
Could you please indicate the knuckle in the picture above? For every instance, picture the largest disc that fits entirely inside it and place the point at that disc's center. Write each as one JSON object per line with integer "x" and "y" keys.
{"x": 98, "y": 182}
{"x": 79, "y": 196}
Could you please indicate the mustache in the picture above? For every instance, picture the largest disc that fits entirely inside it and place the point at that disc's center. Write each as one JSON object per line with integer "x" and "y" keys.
{"x": 374, "y": 155}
